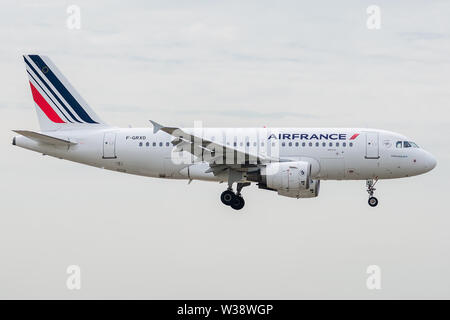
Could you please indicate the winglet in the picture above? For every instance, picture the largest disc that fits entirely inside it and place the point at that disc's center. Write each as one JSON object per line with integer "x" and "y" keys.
{"x": 156, "y": 126}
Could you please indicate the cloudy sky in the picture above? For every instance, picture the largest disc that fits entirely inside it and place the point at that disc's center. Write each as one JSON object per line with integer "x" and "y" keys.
{"x": 230, "y": 64}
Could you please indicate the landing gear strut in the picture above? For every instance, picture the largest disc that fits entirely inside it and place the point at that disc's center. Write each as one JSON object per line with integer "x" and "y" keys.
{"x": 234, "y": 200}
{"x": 373, "y": 202}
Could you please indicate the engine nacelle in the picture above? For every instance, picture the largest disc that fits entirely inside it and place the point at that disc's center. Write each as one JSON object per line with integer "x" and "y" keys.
{"x": 311, "y": 192}
{"x": 287, "y": 177}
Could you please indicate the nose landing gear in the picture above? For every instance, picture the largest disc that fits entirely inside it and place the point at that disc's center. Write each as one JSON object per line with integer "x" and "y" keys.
{"x": 229, "y": 198}
{"x": 373, "y": 202}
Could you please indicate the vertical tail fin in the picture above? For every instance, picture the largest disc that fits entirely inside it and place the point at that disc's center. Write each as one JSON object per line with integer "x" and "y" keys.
{"x": 58, "y": 105}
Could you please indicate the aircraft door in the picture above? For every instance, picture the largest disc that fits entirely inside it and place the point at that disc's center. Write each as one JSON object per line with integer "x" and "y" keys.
{"x": 109, "y": 145}
{"x": 372, "y": 145}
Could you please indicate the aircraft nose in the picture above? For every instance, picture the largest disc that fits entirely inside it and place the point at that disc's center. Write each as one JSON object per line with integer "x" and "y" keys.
{"x": 430, "y": 162}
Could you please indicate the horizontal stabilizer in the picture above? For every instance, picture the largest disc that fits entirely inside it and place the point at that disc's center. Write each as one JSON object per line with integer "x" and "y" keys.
{"x": 43, "y": 138}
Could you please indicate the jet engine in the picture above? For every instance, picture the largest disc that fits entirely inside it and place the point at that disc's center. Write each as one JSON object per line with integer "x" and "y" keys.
{"x": 311, "y": 192}
{"x": 287, "y": 176}
{"x": 289, "y": 179}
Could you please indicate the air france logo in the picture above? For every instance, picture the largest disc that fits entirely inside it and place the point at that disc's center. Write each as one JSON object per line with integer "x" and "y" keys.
{"x": 306, "y": 136}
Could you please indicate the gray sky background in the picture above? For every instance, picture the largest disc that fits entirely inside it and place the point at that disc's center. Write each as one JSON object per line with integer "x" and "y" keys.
{"x": 227, "y": 63}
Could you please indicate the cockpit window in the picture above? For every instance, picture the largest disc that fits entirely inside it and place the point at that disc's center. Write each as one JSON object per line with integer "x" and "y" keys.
{"x": 406, "y": 144}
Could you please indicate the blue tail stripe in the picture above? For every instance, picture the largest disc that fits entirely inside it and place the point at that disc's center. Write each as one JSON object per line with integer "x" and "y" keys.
{"x": 50, "y": 89}
{"x": 48, "y": 96}
{"x": 62, "y": 89}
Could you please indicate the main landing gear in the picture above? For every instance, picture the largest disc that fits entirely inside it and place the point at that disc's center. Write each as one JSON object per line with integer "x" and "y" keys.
{"x": 234, "y": 200}
{"x": 373, "y": 202}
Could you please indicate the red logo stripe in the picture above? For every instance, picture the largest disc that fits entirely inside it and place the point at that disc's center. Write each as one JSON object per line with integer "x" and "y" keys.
{"x": 354, "y": 136}
{"x": 45, "y": 107}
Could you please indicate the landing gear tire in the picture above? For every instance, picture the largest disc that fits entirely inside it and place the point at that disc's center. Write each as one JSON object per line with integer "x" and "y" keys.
{"x": 237, "y": 203}
{"x": 370, "y": 183}
{"x": 373, "y": 202}
{"x": 227, "y": 197}
{"x": 234, "y": 200}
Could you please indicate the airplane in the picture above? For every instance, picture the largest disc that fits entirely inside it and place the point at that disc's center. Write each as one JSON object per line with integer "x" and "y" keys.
{"x": 289, "y": 161}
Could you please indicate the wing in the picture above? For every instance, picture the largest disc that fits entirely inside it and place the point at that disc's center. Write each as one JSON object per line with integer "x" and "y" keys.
{"x": 218, "y": 155}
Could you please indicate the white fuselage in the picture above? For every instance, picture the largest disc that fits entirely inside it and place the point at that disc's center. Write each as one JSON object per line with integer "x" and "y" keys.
{"x": 290, "y": 161}
{"x": 334, "y": 153}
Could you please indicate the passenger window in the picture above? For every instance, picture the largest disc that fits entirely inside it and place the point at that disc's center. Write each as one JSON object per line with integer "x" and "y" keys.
{"x": 290, "y": 144}
{"x": 310, "y": 144}
{"x": 331, "y": 144}
{"x": 283, "y": 144}
{"x": 324, "y": 144}
{"x": 350, "y": 144}
{"x": 303, "y": 144}
{"x": 248, "y": 144}
{"x": 398, "y": 144}
{"x": 254, "y": 144}
{"x": 160, "y": 144}
{"x": 262, "y": 144}
{"x": 140, "y": 144}
{"x": 273, "y": 144}
{"x": 154, "y": 144}
{"x": 406, "y": 144}
{"x": 167, "y": 144}
{"x": 147, "y": 144}
{"x": 234, "y": 144}
{"x": 337, "y": 144}
{"x": 344, "y": 144}
{"x": 296, "y": 144}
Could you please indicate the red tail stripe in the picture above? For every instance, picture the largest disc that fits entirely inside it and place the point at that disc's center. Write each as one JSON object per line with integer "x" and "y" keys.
{"x": 45, "y": 107}
{"x": 354, "y": 136}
